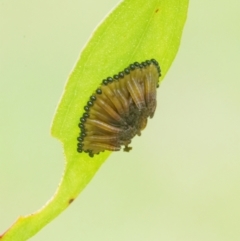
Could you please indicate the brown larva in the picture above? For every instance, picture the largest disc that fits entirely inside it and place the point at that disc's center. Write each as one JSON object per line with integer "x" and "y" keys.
{"x": 119, "y": 109}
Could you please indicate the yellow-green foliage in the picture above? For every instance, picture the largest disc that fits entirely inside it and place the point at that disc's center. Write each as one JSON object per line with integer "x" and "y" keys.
{"x": 135, "y": 31}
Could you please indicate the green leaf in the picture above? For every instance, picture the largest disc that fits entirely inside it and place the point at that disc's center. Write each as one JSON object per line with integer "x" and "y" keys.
{"x": 135, "y": 31}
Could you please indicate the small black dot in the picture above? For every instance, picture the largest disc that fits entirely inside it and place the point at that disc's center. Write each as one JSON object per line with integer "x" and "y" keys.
{"x": 82, "y": 119}
{"x": 132, "y": 66}
{"x": 82, "y": 130}
{"x": 127, "y": 71}
{"x": 83, "y": 134}
{"x": 154, "y": 61}
{"x": 86, "y": 108}
{"x": 136, "y": 64}
{"x": 81, "y": 125}
{"x": 121, "y": 74}
{"x": 90, "y": 103}
{"x": 80, "y": 145}
{"x": 110, "y": 79}
{"x": 99, "y": 91}
{"x": 116, "y": 76}
{"x": 85, "y": 115}
{"x": 93, "y": 98}
{"x": 105, "y": 82}
{"x": 79, "y": 150}
{"x": 148, "y": 62}
{"x": 80, "y": 139}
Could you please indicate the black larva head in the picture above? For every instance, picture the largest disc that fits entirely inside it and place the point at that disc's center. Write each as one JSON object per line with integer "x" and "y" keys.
{"x": 99, "y": 91}
{"x": 121, "y": 74}
{"x": 82, "y": 119}
{"x": 110, "y": 79}
{"x": 136, "y": 64}
{"x": 81, "y": 125}
{"x": 93, "y": 98}
{"x": 148, "y": 62}
{"x": 90, "y": 103}
{"x": 80, "y": 139}
{"x": 127, "y": 71}
{"x": 116, "y": 77}
{"x": 86, "y": 108}
{"x": 105, "y": 82}
{"x": 132, "y": 66}
{"x": 85, "y": 115}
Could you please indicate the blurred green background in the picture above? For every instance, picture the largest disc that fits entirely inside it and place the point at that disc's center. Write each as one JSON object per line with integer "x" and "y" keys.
{"x": 181, "y": 182}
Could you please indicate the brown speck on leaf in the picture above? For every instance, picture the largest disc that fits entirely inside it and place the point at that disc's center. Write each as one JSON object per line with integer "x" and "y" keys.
{"x": 70, "y": 200}
{"x": 156, "y": 10}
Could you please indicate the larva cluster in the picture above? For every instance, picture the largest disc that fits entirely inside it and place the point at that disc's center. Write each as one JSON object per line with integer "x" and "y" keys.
{"x": 119, "y": 109}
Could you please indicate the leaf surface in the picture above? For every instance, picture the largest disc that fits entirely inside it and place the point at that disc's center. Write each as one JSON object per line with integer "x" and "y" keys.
{"x": 136, "y": 30}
